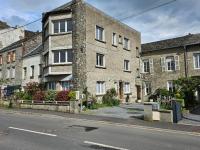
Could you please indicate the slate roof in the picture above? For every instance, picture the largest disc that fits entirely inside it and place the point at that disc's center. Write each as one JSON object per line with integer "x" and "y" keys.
{"x": 35, "y": 51}
{"x": 3, "y": 25}
{"x": 190, "y": 39}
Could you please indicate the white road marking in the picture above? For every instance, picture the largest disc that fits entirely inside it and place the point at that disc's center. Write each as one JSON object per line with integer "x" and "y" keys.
{"x": 103, "y": 145}
{"x": 31, "y": 131}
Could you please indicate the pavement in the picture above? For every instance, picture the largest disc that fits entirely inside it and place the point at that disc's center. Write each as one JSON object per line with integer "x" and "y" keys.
{"x": 36, "y": 130}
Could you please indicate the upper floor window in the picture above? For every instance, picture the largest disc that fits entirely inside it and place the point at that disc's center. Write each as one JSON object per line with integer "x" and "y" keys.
{"x": 126, "y": 43}
{"x": 197, "y": 61}
{"x": 120, "y": 39}
{"x": 13, "y": 56}
{"x": 100, "y": 87}
{"x": 61, "y": 26}
{"x": 100, "y": 60}
{"x": 0, "y": 74}
{"x": 170, "y": 63}
{"x": 114, "y": 39}
{"x": 127, "y": 88}
{"x": 126, "y": 65}
{"x": 1, "y": 59}
{"x": 24, "y": 73}
{"x": 146, "y": 66}
{"x": 63, "y": 56}
{"x": 40, "y": 69}
{"x": 8, "y": 57}
{"x": 8, "y": 73}
{"x": 13, "y": 72}
{"x": 99, "y": 33}
{"x": 32, "y": 72}
{"x": 46, "y": 59}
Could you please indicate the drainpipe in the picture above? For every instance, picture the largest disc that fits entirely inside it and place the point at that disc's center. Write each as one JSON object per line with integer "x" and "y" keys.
{"x": 185, "y": 61}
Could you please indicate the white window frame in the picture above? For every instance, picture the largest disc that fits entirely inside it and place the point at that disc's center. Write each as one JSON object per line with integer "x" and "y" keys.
{"x": 66, "y": 56}
{"x": 8, "y": 73}
{"x": 194, "y": 60}
{"x": 32, "y": 75}
{"x": 114, "y": 39}
{"x": 147, "y": 85}
{"x": 98, "y": 60}
{"x": 100, "y": 88}
{"x": 66, "y": 27}
{"x": 97, "y": 35}
{"x": 128, "y": 43}
{"x": 146, "y": 68}
{"x": 13, "y": 72}
{"x": 127, "y": 62}
{"x": 170, "y": 84}
{"x": 127, "y": 88}
{"x": 171, "y": 62}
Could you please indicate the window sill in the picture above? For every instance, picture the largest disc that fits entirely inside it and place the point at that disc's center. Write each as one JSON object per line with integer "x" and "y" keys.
{"x": 100, "y": 67}
{"x": 62, "y": 33}
{"x": 128, "y": 93}
{"x": 101, "y": 41}
{"x": 126, "y": 49}
{"x": 61, "y": 64}
{"x": 127, "y": 71}
{"x": 100, "y": 94}
{"x": 114, "y": 45}
{"x": 196, "y": 68}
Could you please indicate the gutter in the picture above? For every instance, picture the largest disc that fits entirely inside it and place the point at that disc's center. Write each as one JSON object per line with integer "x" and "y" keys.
{"x": 185, "y": 60}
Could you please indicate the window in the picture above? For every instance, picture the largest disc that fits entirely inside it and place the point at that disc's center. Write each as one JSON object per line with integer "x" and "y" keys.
{"x": 100, "y": 62}
{"x": 120, "y": 39}
{"x": 127, "y": 88}
{"x": 65, "y": 85}
{"x": 51, "y": 85}
{"x": 1, "y": 60}
{"x": 46, "y": 31}
{"x": 170, "y": 62}
{"x": 126, "y": 65}
{"x": 99, "y": 33}
{"x": 62, "y": 26}
{"x": 25, "y": 72}
{"x": 40, "y": 69}
{"x": 46, "y": 59}
{"x": 13, "y": 56}
{"x": 146, "y": 66}
{"x": 197, "y": 61}
{"x": 13, "y": 73}
{"x": 63, "y": 56}
{"x": 100, "y": 87}
{"x": 8, "y": 73}
{"x": 126, "y": 43}
{"x": 0, "y": 74}
{"x": 8, "y": 57}
{"x": 114, "y": 39}
{"x": 32, "y": 72}
{"x": 170, "y": 86}
{"x": 147, "y": 88}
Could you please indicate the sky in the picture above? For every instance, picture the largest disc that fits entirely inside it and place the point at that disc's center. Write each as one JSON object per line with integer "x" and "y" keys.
{"x": 178, "y": 18}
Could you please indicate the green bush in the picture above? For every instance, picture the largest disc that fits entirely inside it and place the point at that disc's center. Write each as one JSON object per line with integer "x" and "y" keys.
{"x": 27, "y": 96}
{"x": 19, "y": 95}
{"x": 109, "y": 98}
{"x": 72, "y": 95}
{"x": 50, "y": 96}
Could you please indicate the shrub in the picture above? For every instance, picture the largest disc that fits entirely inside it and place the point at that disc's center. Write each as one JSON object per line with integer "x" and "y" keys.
{"x": 32, "y": 88}
{"x": 39, "y": 96}
{"x": 72, "y": 95}
{"x": 27, "y": 96}
{"x": 109, "y": 98}
{"x": 62, "y": 96}
{"x": 19, "y": 95}
{"x": 50, "y": 96}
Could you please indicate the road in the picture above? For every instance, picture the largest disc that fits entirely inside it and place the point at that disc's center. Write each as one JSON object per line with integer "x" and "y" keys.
{"x": 31, "y": 131}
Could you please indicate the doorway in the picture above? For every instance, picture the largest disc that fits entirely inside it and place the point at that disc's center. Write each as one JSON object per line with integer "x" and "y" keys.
{"x": 121, "y": 90}
{"x": 138, "y": 87}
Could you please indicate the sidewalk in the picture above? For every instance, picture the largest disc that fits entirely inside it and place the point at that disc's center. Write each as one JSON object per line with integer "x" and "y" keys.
{"x": 131, "y": 121}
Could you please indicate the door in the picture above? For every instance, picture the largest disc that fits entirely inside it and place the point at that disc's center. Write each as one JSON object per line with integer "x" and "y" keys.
{"x": 138, "y": 92}
{"x": 121, "y": 90}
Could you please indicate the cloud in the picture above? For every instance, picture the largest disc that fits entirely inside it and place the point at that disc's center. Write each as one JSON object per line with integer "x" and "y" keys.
{"x": 176, "y": 19}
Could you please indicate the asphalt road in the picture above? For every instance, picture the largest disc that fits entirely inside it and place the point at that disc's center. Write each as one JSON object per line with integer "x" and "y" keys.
{"x": 27, "y": 131}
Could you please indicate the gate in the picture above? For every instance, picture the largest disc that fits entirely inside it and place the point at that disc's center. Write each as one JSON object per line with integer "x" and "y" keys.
{"x": 177, "y": 115}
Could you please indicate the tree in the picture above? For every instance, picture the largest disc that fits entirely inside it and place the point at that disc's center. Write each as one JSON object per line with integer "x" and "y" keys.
{"x": 186, "y": 88}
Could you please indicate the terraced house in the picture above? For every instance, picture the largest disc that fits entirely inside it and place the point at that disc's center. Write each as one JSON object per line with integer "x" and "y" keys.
{"x": 86, "y": 48}
{"x": 167, "y": 60}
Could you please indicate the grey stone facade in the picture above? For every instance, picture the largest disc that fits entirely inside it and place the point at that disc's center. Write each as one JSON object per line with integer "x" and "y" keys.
{"x": 83, "y": 71}
{"x": 182, "y": 49}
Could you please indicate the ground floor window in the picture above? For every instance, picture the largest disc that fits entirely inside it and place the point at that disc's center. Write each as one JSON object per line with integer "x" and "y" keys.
{"x": 127, "y": 88}
{"x": 100, "y": 87}
{"x": 170, "y": 86}
{"x": 51, "y": 85}
{"x": 65, "y": 85}
{"x": 147, "y": 88}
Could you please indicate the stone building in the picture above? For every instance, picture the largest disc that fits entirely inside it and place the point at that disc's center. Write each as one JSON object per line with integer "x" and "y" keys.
{"x": 86, "y": 48}
{"x": 11, "y": 59}
{"x": 167, "y": 60}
